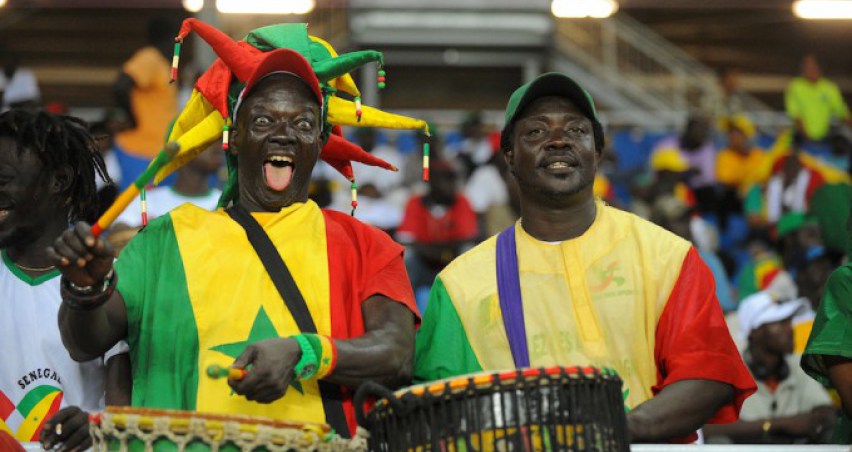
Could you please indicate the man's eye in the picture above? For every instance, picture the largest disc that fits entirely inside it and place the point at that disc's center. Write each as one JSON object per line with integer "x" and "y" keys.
{"x": 535, "y": 132}
{"x": 304, "y": 124}
{"x": 262, "y": 121}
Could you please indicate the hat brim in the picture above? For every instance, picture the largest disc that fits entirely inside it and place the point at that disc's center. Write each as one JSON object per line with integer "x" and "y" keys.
{"x": 285, "y": 61}
{"x": 560, "y": 85}
{"x": 778, "y": 312}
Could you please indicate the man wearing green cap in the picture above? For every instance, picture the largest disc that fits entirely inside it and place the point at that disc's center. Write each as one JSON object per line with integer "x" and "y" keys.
{"x": 575, "y": 282}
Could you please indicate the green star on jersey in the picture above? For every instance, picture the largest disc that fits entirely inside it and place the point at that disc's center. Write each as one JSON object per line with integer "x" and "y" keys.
{"x": 262, "y": 329}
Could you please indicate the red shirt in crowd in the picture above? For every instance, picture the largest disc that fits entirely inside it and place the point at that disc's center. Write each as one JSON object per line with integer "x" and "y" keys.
{"x": 436, "y": 223}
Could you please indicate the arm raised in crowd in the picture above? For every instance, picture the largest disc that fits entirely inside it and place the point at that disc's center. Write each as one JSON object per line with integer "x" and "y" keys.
{"x": 93, "y": 316}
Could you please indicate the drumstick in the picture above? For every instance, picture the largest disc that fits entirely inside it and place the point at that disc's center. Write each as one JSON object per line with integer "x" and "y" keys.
{"x": 129, "y": 194}
{"x": 233, "y": 373}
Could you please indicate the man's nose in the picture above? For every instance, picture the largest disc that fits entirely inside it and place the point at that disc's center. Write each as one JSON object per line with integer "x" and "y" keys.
{"x": 282, "y": 133}
{"x": 558, "y": 140}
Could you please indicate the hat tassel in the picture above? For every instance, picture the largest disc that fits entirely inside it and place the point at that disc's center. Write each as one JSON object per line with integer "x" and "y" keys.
{"x": 426, "y": 160}
{"x": 358, "y": 111}
{"x": 380, "y": 79}
{"x": 144, "y": 204}
{"x": 226, "y": 137}
{"x": 176, "y": 60}
{"x": 353, "y": 189}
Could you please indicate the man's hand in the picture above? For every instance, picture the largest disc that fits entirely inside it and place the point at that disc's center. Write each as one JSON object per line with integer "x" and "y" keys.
{"x": 73, "y": 434}
{"x": 82, "y": 259}
{"x": 806, "y": 425}
{"x": 272, "y": 362}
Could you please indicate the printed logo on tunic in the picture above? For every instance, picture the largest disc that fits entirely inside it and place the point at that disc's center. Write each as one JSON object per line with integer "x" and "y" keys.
{"x": 42, "y": 398}
{"x": 608, "y": 281}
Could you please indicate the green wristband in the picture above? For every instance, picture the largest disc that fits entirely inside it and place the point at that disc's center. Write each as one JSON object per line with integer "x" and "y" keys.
{"x": 309, "y": 363}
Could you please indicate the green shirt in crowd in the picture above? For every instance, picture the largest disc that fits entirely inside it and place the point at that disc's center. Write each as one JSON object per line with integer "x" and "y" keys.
{"x": 816, "y": 104}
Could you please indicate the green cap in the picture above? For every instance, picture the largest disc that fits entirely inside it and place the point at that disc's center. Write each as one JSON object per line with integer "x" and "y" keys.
{"x": 551, "y": 84}
{"x": 793, "y": 221}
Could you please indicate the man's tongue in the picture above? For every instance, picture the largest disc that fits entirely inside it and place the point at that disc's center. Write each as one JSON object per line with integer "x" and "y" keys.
{"x": 277, "y": 178}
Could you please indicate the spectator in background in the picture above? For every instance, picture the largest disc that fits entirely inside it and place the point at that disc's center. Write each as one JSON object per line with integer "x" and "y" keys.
{"x": 143, "y": 91}
{"x": 788, "y": 407}
{"x": 789, "y": 189}
{"x": 669, "y": 170}
{"x": 475, "y": 148}
{"x": 814, "y": 102}
{"x": 797, "y": 233}
{"x": 673, "y": 214}
{"x": 696, "y": 147}
{"x": 436, "y": 227}
{"x": 734, "y": 163}
{"x": 381, "y": 195}
{"x": 828, "y": 356}
{"x": 195, "y": 184}
{"x": 18, "y": 85}
{"x": 488, "y": 193}
{"x": 733, "y": 96}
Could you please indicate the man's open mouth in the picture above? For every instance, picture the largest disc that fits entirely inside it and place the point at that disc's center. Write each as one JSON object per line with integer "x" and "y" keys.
{"x": 561, "y": 164}
{"x": 4, "y": 211}
{"x": 278, "y": 171}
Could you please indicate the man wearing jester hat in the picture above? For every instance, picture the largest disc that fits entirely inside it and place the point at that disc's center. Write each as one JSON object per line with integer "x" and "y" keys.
{"x": 190, "y": 293}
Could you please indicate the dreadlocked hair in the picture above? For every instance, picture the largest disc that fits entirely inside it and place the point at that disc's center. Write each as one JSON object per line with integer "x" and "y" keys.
{"x": 60, "y": 142}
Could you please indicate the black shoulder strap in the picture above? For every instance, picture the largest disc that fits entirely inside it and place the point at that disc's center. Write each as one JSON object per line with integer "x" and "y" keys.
{"x": 332, "y": 398}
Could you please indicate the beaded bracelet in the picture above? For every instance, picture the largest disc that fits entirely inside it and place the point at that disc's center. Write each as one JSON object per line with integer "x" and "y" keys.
{"x": 88, "y": 298}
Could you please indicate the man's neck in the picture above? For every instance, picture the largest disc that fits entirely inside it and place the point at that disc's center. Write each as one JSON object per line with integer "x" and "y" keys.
{"x": 32, "y": 253}
{"x": 555, "y": 224}
{"x": 192, "y": 183}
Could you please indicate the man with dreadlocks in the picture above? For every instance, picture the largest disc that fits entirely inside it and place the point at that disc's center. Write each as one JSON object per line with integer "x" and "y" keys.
{"x": 47, "y": 178}
{"x": 197, "y": 290}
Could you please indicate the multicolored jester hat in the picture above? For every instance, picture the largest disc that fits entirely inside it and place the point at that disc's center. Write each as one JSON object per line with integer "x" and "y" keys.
{"x": 212, "y": 105}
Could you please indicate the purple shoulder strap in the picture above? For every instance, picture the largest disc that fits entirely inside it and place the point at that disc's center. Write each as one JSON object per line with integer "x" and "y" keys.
{"x": 509, "y": 292}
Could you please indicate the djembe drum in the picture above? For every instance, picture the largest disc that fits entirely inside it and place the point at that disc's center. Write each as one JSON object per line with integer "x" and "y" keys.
{"x": 543, "y": 409}
{"x": 132, "y": 429}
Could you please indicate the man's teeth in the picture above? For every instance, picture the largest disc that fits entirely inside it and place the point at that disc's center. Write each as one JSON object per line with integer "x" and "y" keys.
{"x": 558, "y": 165}
{"x": 280, "y": 158}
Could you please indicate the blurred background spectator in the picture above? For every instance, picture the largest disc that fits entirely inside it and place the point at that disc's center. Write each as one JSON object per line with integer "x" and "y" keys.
{"x": 436, "y": 227}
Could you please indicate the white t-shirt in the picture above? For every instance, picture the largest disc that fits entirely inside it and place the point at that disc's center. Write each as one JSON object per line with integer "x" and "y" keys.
{"x": 161, "y": 200}
{"x": 37, "y": 375}
{"x": 486, "y": 188}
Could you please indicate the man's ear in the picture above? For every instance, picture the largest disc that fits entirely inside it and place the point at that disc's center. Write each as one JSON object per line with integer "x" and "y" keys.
{"x": 62, "y": 180}
{"x": 233, "y": 137}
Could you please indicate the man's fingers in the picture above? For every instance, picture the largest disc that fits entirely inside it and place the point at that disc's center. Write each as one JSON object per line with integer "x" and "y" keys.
{"x": 67, "y": 419}
{"x": 84, "y": 232}
{"x": 66, "y": 252}
{"x": 247, "y": 386}
{"x": 103, "y": 249}
{"x": 76, "y": 439}
{"x": 48, "y": 437}
{"x": 65, "y": 414}
{"x": 58, "y": 260}
{"x": 269, "y": 395}
{"x": 76, "y": 422}
{"x": 76, "y": 244}
{"x": 246, "y": 357}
